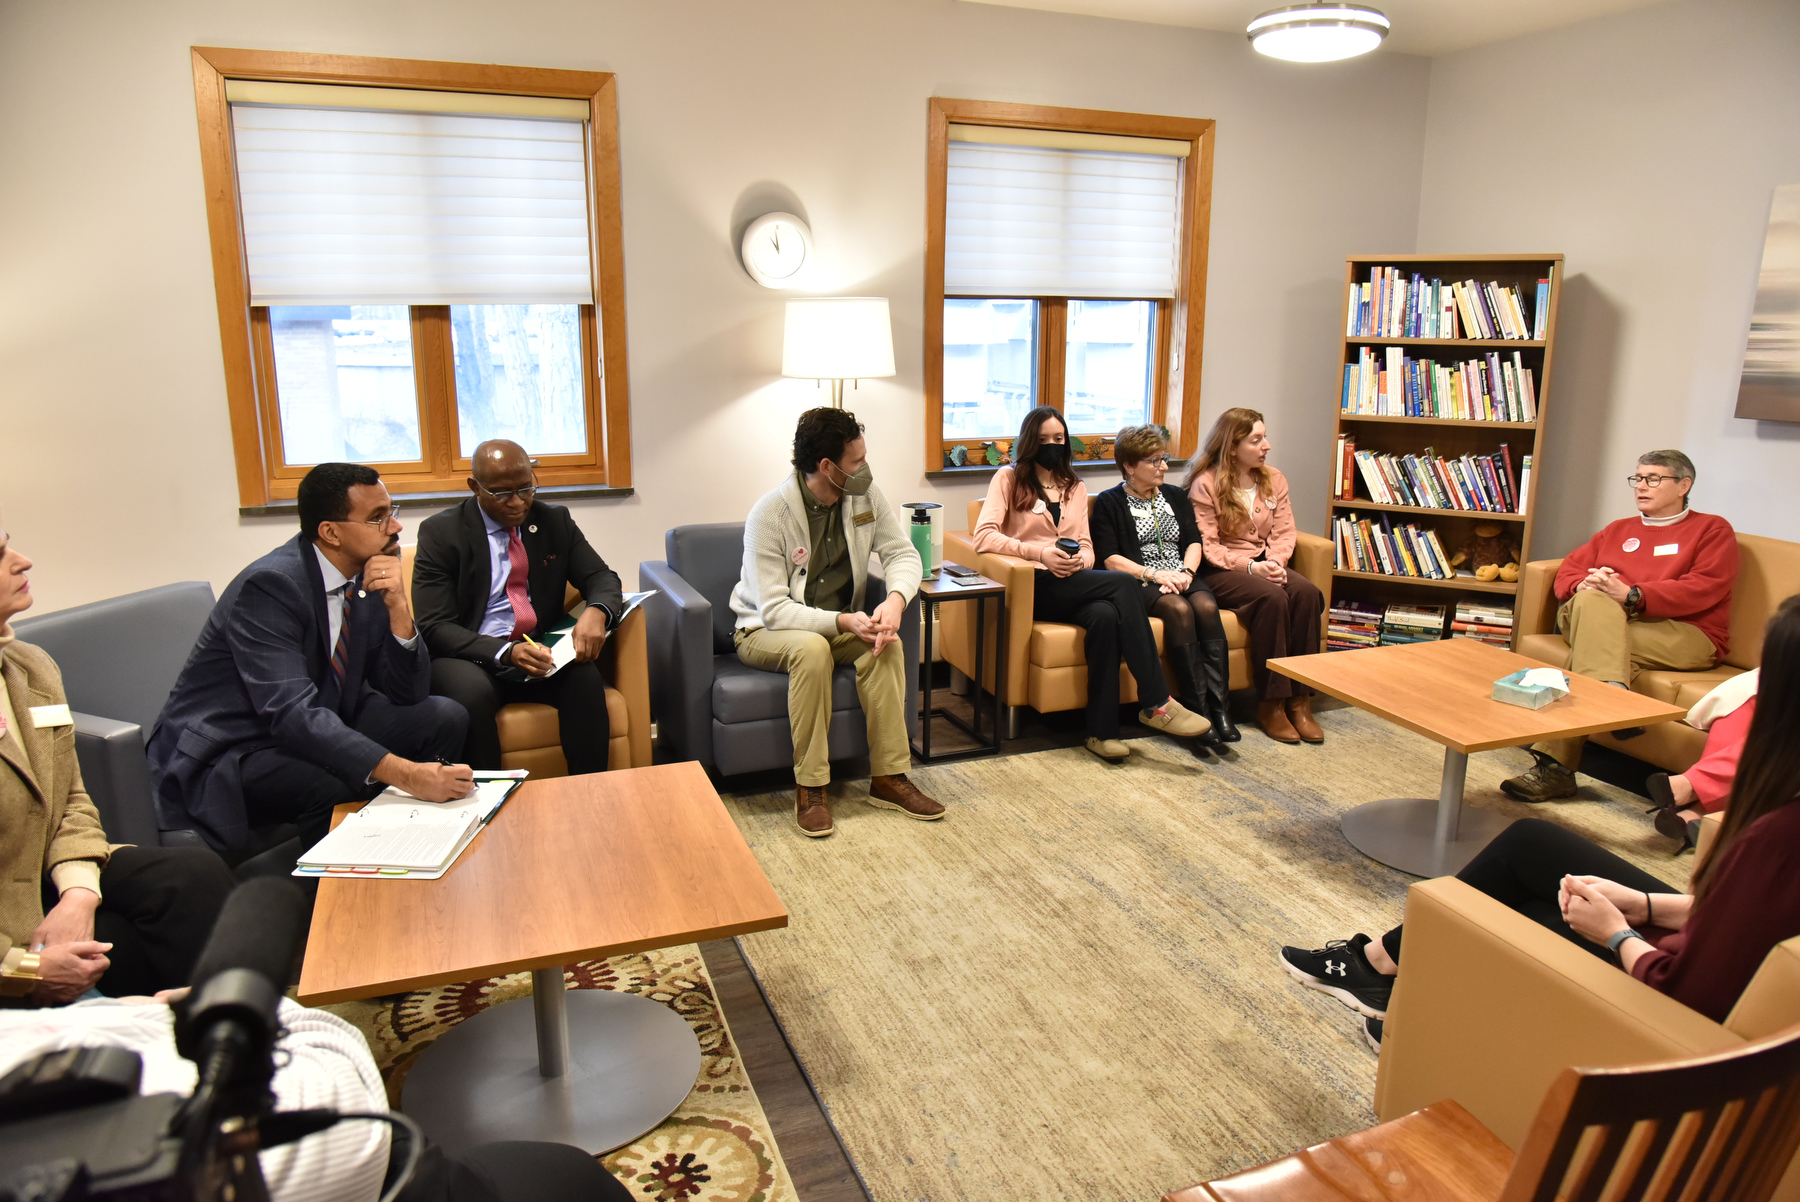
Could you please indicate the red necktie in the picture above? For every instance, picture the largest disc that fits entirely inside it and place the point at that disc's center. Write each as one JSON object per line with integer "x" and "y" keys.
{"x": 524, "y": 617}
{"x": 340, "y": 654}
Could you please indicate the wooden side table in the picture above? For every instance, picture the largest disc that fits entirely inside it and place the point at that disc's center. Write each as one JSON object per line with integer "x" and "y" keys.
{"x": 933, "y": 592}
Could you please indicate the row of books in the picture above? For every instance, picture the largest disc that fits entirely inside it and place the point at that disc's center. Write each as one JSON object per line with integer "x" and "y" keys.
{"x": 1355, "y": 624}
{"x": 1377, "y": 545}
{"x": 1391, "y": 306}
{"x": 1486, "y": 389}
{"x": 1486, "y": 622}
{"x": 1475, "y": 483}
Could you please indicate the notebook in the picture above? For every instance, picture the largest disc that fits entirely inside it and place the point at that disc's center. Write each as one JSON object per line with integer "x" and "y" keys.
{"x": 397, "y": 835}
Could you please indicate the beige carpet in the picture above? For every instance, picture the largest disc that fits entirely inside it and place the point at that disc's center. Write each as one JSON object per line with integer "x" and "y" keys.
{"x": 1068, "y": 988}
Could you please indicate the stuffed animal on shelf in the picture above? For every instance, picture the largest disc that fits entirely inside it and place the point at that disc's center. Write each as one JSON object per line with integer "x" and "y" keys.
{"x": 1490, "y": 553}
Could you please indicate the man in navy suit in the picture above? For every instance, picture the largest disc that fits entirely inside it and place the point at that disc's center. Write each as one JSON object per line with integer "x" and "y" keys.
{"x": 309, "y": 686}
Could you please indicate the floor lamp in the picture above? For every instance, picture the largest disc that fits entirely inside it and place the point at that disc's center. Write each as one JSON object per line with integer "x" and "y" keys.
{"x": 838, "y": 338}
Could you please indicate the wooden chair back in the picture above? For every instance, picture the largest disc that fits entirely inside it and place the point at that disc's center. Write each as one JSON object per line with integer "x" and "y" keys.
{"x": 1718, "y": 1127}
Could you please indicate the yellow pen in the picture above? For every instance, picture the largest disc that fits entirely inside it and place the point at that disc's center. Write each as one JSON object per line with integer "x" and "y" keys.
{"x": 530, "y": 640}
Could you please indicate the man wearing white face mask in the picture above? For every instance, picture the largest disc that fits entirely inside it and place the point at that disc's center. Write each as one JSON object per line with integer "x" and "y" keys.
{"x": 799, "y": 607}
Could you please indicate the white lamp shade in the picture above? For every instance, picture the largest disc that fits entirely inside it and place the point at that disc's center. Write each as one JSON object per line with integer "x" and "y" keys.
{"x": 1318, "y": 32}
{"x": 838, "y": 338}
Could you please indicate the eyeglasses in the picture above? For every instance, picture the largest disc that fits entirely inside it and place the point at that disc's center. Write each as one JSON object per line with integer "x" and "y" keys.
{"x": 505, "y": 495}
{"x": 379, "y": 521}
{"x": 1652, "y": 481}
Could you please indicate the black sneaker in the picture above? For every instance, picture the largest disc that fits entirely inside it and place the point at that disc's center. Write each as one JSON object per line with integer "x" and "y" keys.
{"x": 1341, "y": 969}
{"x": 1371, "y": 1033}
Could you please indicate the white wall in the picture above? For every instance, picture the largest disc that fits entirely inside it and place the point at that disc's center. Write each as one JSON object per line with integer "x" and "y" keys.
{"x": 118, "y": 470}
{"x": 1645, "y": 147}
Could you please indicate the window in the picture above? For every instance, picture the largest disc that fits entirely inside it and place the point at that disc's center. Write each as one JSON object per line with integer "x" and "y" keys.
{"x": 1065, "y": 266}
{"x": 411, "y": 258}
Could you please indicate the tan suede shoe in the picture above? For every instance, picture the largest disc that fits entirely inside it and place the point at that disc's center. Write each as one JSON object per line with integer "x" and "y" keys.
{"x": 1299, "y": 712}
{"x": 898, "y": 793}
{"x": 1271, "y": 715}
{"x": 1175, "y": 718}
{"x": 812, "y": 812}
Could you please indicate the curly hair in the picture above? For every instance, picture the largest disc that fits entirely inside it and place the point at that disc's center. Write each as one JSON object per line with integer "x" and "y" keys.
{"x": 1134, "y": 444}
{"x": 1219, "y": 457}
{"x": 823, "y": 434}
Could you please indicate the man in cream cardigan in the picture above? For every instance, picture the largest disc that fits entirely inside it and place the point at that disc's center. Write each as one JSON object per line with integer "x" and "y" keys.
{"x": 799, "y": 605}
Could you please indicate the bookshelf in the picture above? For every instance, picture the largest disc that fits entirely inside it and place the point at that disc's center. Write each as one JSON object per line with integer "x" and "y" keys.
{"x": 1445, "y": 403}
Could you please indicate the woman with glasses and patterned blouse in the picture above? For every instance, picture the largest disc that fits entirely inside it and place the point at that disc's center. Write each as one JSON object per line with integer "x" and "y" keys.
{"x": 1145, "y": 528}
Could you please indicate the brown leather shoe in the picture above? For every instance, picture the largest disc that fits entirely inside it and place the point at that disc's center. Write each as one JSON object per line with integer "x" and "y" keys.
{"x": 1299, "y": 712}
{"x": 898, "y": 793}
{"x": 1271, "y": 715}
{"x": 812, "y": 812}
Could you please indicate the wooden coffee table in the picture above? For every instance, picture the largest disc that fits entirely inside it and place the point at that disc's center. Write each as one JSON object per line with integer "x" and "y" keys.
{"x": 570, "y": 869}
{"x": 1442, "y": 690}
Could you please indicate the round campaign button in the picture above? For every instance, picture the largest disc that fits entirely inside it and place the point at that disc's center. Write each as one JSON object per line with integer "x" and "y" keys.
{"x": 1632, "y": 544}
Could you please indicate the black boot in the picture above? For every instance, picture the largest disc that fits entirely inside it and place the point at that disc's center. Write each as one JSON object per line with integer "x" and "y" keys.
{"x": 1215, "y": 661}
{"x": 1190, "y": 690}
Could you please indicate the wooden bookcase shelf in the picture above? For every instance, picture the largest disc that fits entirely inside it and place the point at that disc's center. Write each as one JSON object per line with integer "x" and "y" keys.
{"x": 1450, "y": 437}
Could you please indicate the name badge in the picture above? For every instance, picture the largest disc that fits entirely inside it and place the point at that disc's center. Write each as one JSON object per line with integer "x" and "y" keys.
{"x": 1667, "y": 549}
{"x": 863, "y": 519}
{"x": 43, "y": 716}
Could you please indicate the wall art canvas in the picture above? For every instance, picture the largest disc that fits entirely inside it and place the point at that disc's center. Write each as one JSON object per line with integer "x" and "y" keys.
{"x": 1769, "y": 389}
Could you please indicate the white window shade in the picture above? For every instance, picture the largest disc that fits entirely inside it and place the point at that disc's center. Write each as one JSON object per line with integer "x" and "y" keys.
{"x": 345, "y": 206}
{"x": 1049, "y": 221}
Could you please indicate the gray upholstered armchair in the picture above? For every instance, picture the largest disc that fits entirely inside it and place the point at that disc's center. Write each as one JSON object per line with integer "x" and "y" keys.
{"x": 709, "y": 705}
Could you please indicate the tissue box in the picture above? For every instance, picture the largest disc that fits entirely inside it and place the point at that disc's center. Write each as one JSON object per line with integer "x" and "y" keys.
{"x": 1533, "y": 697}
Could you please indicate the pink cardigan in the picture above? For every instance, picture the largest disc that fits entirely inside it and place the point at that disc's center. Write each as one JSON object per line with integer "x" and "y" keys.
{"x": 1272, "y": 532}
{"x": 1003, "y": 529}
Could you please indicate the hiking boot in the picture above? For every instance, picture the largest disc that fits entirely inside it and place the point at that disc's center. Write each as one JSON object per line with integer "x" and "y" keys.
{"x": 1271, "y": 715}
{"x": 1175, "y": 718}
{"x": 898, "y": 793}
{"x": 1299, "y": 712}
{"x": 1547, "y": 781}
{"x": 1110, "y": 750}
{"x": 1342, "y": 970}
{"x": 812, "y": 812}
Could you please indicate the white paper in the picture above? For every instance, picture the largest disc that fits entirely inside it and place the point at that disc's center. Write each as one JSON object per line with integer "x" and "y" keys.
{"x": 1544, "y": 678}
{"x": 402, "y": 834}
{"x": 562, "y": 651}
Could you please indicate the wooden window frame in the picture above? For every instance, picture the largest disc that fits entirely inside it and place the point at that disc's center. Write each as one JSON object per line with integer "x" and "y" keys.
{"x": 1180, "y": 322}
{"x": 265, "y": 482}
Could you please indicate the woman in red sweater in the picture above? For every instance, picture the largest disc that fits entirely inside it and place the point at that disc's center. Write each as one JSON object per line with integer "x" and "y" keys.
{"x": 1034, "y": 504}
{"x": 1700, "y": 948}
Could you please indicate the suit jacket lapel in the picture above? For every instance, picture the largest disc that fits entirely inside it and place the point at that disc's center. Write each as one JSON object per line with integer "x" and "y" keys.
{"x": 315, "y": 590}
{"x": 480, "y": 573}
{"x": 29, "y": 746}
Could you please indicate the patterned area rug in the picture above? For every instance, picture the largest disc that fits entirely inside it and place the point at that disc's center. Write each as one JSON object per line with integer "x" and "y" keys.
{"x": 716, "y": 1147}
{"x": 1068, "y": 989}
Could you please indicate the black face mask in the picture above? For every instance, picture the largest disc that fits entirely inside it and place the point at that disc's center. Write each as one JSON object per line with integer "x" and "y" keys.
{"x": 1053, "y": 455}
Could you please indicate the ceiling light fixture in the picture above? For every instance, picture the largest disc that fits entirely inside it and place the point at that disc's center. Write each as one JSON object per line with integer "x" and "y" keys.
{"x": 1318, "y": 33}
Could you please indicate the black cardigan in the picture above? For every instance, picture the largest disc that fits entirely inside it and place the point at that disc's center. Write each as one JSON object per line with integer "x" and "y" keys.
{"x": 1114, "y": 531}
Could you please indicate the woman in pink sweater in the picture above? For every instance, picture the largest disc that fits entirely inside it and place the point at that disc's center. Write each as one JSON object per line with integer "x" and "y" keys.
{"x": 1241, "y": 505}
{"x": 1032, "y": 505}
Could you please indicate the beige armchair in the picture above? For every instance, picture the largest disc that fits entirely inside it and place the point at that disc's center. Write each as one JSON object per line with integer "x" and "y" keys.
{"x": 1492, "y": 1007}
{"x": 1768, "y": 573}
{"x": 1046, "y": 662}
{"x": 531, "y": 735}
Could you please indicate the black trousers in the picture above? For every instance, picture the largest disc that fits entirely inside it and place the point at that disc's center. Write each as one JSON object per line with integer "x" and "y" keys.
{"x": 1524, "y": 866}
{"x": 578, "y": 692}
{"x": 512, "y": 1171}
{"x": 157, "y": 908}
{"x": 1282, "y": 619}
{"x": 1109, "y": 606}
{"x": 1187, "y": 617}
{"x": 280, "y": 787}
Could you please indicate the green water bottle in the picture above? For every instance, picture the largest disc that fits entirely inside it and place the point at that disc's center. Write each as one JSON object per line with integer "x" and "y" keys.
{"x": 921, "y": 531}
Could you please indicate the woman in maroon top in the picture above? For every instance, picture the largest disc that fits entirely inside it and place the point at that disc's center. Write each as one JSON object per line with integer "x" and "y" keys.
{"x": 1700, "y": 948}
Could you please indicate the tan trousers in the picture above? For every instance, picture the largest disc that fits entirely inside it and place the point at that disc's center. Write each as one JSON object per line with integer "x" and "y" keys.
{"x": 1606, "y": 645}
{"x": 809, "y": 660}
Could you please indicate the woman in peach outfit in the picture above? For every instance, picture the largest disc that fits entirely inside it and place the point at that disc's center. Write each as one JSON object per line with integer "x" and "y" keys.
{"x": 1241, "y": 505}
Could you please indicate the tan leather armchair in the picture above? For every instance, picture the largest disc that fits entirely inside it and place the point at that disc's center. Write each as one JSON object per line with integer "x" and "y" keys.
{"x": 531, "y": 736}
{"x": 1491, "y": 1007}
{"x": 1768, "y": 573}
{"x": 1046, "y": 662}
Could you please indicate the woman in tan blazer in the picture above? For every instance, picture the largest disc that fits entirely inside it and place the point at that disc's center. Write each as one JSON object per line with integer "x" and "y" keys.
{"x": 76, "y": 912}
{"x": 1241, "y": 505}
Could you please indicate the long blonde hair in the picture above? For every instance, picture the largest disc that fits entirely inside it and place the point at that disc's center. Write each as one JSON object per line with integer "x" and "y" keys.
{"x": 1219, "y": 456}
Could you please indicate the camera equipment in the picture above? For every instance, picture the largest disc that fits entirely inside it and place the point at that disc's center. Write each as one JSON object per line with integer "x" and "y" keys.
{"x": 73, "y": 1126}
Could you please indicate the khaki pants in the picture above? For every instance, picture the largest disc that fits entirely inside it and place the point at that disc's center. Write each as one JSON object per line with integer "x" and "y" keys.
{"x": 809, "y": 660}
{"x": 1606, "y": 645}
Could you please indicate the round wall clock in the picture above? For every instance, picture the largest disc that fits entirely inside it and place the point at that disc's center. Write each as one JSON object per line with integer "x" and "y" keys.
{"x": 775, "y": 248}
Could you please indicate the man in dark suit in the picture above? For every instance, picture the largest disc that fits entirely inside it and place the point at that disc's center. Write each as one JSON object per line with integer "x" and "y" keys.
{"x": 492, "y": 571}
{"x": 309, "y": 686}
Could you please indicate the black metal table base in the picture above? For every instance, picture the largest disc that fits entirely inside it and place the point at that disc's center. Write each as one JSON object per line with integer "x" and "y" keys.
{"x": 988, "y": 744}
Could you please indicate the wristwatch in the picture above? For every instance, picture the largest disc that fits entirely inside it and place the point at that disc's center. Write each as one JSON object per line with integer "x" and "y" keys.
{"x": 1618, "y": 940}
{"x": 1634, "y": 600}
{"x": 18, "y": 972}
